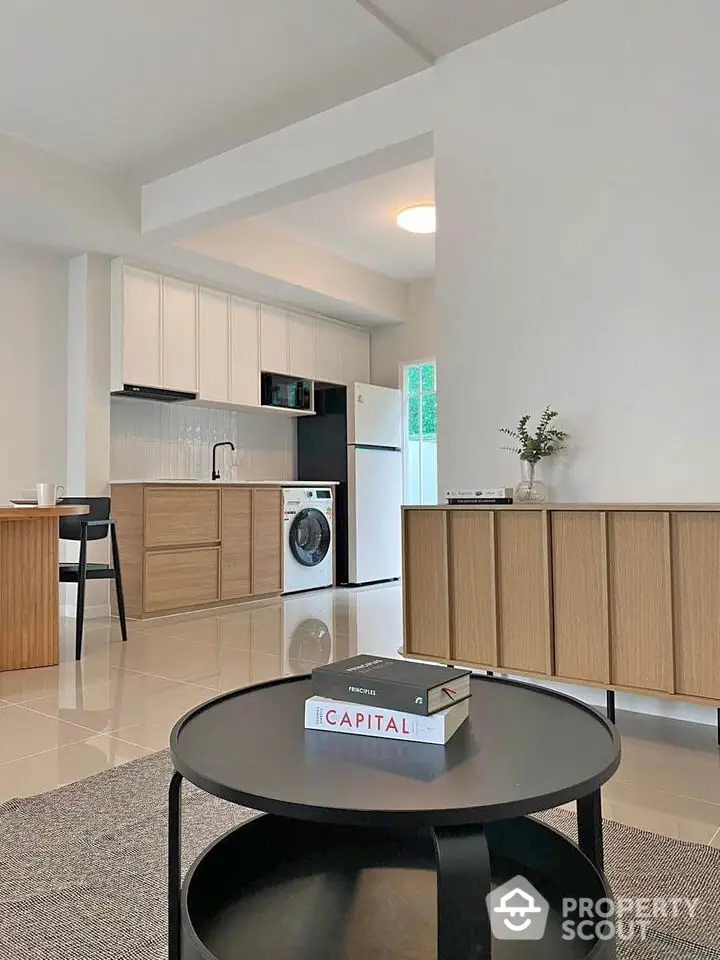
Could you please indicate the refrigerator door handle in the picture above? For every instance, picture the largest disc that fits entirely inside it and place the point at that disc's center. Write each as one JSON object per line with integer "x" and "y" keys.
{"x": 372, "y": 446}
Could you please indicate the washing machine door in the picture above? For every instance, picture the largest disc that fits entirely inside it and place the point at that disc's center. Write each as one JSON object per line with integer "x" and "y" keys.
{"x": 309, "y": 537}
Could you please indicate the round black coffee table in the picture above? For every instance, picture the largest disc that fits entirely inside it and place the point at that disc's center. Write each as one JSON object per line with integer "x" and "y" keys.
{"x": 384, "y": 848}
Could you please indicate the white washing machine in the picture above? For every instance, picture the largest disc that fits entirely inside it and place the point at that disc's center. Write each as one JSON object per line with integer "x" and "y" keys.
{"x": 307, "y": 538}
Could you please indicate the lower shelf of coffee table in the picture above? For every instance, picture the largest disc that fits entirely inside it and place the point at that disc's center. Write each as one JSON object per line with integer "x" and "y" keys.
{"x": 292, "y": 890}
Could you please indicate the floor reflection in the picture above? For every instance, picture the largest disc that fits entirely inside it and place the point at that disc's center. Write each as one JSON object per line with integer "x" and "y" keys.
{"x": 59, "y": 724}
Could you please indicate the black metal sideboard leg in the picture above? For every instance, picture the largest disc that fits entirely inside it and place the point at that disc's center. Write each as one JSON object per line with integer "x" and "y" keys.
{"x": 590, "y": 827}
{"x": 718, "y": 725}
{"x": 610, "y": 700}
{"x": 463, "y": 882}
{"x": 174, "y": 878}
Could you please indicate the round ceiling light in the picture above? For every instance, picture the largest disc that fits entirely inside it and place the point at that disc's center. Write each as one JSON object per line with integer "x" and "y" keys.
{"x": 417, "y": 219}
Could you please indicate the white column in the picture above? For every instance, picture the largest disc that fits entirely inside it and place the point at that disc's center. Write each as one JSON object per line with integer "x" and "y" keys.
{"x": 88, "y": 405}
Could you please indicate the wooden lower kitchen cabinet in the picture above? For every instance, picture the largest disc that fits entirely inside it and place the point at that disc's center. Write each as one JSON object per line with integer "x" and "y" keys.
{"x": 251, "y": 542}
{"x": 267, "y": 509}
{"x": 191, "y": 546}
{"x": 237, "y": 544}
{"x": 622, "y": 596}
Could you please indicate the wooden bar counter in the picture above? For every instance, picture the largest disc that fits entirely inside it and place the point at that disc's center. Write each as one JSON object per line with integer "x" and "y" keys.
{"x": 620, "y": 596}
{"x": 29, "y": 597}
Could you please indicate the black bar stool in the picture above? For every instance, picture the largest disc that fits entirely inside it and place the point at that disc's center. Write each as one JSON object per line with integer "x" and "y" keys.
{"x": 92, "y": 526}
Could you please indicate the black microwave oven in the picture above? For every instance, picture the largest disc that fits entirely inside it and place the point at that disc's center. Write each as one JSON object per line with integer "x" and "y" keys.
{"x": 279, "y": 390}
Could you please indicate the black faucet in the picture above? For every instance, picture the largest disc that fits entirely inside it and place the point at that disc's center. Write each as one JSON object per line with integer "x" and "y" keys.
{"x": 225, "y": 443}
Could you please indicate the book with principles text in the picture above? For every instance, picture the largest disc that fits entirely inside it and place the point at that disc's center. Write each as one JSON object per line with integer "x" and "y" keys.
{"x": 420, "y": 688}
{"x": 338, "y": 717}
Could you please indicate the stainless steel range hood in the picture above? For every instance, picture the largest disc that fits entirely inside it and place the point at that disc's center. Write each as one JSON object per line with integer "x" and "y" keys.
{"x": 153, "y": 393}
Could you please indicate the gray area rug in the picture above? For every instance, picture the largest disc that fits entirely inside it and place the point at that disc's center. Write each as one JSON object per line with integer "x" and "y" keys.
{"x": 83, "y": 870}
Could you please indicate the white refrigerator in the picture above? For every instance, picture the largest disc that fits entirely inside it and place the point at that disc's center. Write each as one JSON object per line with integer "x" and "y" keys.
{"x": 375, "y": 483}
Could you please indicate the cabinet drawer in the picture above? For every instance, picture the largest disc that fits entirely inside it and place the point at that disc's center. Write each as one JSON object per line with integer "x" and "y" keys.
{"x": 181, "y": 578}
{"x": 178, "y": 516}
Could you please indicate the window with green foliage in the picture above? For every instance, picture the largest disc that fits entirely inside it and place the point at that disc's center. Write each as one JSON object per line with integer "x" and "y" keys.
{"x": 420, "y": 398}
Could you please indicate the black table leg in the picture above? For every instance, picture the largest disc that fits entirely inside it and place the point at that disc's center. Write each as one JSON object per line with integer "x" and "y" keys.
{"x": 590, "y": 829}
{"x": 610, "y": 701}
{"x": 463, "y": 883}
{"x": 174, "y": 827}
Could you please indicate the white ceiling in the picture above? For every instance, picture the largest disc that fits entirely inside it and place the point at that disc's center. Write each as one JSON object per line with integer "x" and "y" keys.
{"x": 441, "y": 26}
{"x": 122, "y": 82}
{"x": 147, "y": 86}
{"x": 358, "y": 222}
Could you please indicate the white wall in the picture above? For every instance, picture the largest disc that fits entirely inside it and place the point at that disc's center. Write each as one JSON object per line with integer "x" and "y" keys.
{"x": 309, "y": 270}
{"x": 33, "y": 377}
{"x": 88, "y": 425}
{"x": 407, "y": 342}
{"x": 151, "y": 441}
{"x": 576, "y": 166}
{"x": 88, "y": 411}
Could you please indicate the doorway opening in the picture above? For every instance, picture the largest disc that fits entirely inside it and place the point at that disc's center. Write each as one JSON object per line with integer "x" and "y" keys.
{"x": 420, "y": 432}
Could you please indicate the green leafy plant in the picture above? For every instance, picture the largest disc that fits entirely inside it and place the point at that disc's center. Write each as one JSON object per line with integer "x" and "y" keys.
{"x": 546, "y": 440}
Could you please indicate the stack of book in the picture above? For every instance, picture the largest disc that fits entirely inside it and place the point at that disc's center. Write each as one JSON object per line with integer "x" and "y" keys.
{"x": 487, "y": 496}
{"x": 377, "y": 697}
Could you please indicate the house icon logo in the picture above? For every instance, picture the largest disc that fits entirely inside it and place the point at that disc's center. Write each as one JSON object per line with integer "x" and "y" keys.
{"x": 517, "y": 911}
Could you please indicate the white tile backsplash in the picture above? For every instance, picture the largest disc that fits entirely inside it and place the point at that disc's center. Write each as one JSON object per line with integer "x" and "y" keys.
{"x": 152, "y": 441}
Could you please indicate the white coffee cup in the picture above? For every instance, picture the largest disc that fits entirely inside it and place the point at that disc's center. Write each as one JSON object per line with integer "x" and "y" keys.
{"x": 48, "y": 494}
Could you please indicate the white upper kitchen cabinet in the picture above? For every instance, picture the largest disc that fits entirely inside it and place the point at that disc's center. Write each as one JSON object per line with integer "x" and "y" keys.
{"x": 273, "y": 340}
{"x": 328, "y": 352}
{"x": 244, "y": 352}
{"x": 214, "y": 346}
{"x": 137, "y": 322}
{"x": 355, "y": 350}
{"x": 179, "y": 335}
{"x": 301, "y": 336}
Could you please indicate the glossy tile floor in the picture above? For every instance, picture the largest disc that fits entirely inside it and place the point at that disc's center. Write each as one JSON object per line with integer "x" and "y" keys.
{"x": 59, "y": 724}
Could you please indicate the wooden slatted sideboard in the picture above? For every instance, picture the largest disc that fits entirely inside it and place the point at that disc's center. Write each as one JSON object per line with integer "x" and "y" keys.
{"x": 620, "y": 596}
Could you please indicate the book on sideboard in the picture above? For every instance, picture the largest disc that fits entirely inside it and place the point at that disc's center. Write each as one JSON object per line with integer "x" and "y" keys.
{"x": 418, "y": 688}
{"x": 480, "y": 501}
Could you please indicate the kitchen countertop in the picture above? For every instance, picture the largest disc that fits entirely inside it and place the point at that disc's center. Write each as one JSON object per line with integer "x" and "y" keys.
{"x": 231, "y": 483}
{"x": 33, "y": 512}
